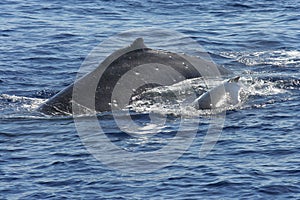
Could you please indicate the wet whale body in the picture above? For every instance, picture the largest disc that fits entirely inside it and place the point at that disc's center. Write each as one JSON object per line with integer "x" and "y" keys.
{"x": 224, "y": 95}
{"x": 110, "y": 71}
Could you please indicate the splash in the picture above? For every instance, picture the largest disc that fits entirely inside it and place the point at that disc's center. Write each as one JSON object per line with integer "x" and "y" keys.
{"x": 258, "y": 87}
{"x": 13, "y": 106}
{"x": 178, "y": 99}
{"x": 21, "y": 102}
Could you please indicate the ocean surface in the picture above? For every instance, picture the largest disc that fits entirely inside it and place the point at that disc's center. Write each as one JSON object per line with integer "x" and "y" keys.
{"x": 256, "y": 154}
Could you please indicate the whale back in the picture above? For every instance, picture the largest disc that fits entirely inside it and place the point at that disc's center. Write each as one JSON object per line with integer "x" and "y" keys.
{"x": 109, "y": 72}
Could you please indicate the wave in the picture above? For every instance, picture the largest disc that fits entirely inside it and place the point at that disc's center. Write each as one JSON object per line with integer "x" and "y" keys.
{"x": 282, "y": 58}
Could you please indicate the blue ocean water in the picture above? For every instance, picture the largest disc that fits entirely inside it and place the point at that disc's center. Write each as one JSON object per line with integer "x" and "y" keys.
{"x": 43, "y": 44}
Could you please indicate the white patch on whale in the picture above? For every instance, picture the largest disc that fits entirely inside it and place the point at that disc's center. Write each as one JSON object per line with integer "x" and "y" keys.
{"x": 224, "y": 95}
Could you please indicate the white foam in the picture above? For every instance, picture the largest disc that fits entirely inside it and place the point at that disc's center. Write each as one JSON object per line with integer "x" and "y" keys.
{"x": 277, "y": 57}
{"x": 21, "y": 102}
{"x": 259, "y": 87}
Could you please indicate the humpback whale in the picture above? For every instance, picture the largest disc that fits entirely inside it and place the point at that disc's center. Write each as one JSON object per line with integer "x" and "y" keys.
{"x": 225, "y": 94}
{"x": 111, "y": 70}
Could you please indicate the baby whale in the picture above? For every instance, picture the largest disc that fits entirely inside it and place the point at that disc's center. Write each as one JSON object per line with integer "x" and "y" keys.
{"x": 223, "y": 95}
{"x": 96, "y": 88}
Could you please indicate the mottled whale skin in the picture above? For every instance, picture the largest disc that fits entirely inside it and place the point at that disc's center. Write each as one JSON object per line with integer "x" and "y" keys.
{"x": 116, "y": 65}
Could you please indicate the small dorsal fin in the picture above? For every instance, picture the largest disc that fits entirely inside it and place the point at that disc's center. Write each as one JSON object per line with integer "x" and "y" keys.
{"x": 138, "y": 43}
{"x": 234, "y": 80}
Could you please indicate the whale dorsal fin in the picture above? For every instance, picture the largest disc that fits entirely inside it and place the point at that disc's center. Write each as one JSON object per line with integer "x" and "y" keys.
{"x": 138, "y": 44}
{"x": 234, "y": 80}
